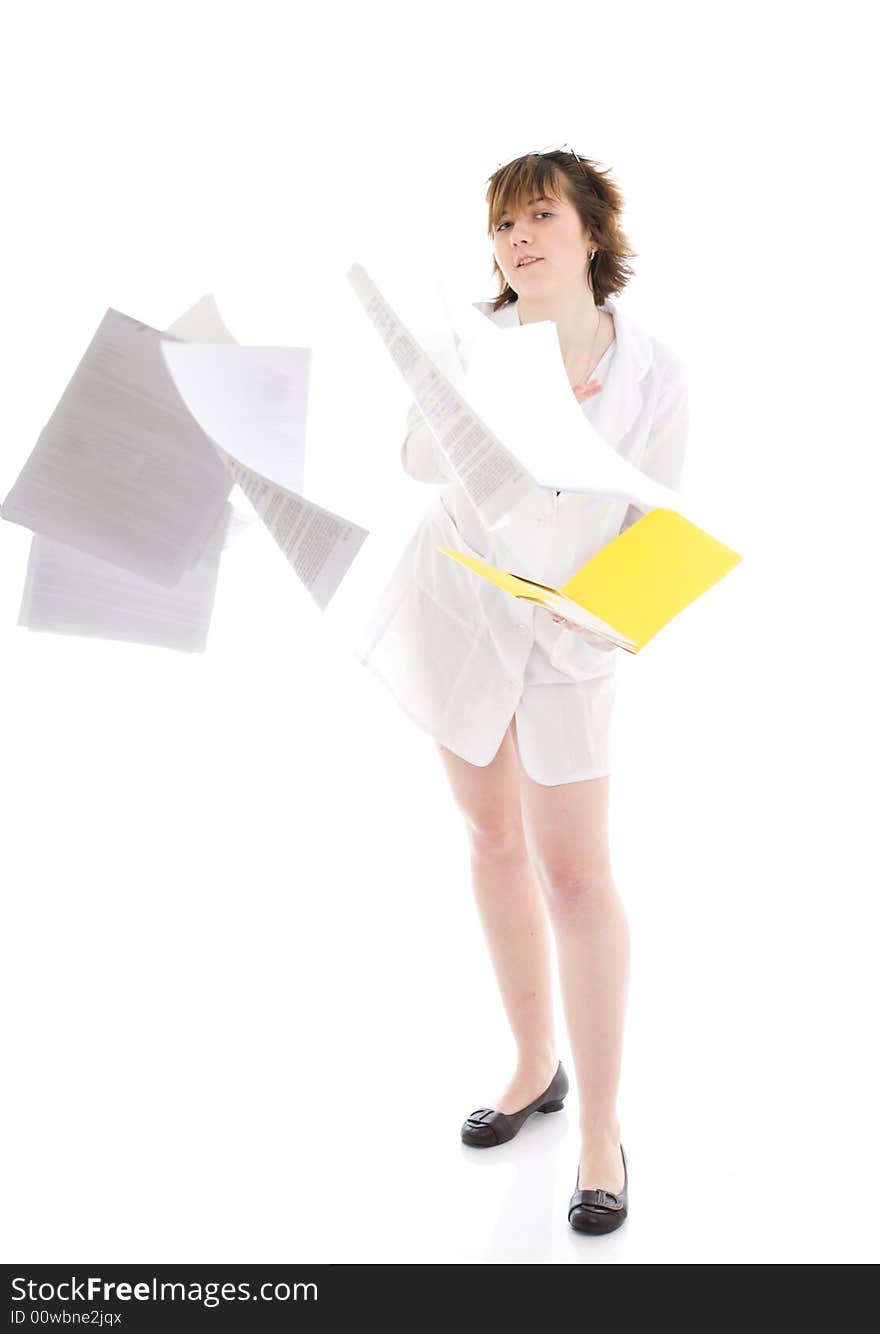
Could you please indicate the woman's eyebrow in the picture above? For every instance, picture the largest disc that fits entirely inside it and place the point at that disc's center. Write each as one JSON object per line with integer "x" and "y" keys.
{"x": 540, "y": 200}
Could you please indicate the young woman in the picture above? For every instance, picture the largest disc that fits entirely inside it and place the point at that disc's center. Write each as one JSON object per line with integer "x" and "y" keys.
{"x": 519, "y": 700}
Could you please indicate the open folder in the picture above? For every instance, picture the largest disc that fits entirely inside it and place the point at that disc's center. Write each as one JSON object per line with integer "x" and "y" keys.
{"x": 633, "y": 586}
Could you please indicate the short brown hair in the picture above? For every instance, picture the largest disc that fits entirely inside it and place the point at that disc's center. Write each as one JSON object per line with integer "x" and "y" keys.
{"x": 591, "y": 191}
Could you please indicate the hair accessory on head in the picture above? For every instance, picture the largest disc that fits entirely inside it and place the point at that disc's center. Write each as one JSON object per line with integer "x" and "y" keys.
{"x": 538, "y": 152}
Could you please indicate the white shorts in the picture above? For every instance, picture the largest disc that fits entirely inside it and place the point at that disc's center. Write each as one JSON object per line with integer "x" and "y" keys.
{"x": 563, "y": 729}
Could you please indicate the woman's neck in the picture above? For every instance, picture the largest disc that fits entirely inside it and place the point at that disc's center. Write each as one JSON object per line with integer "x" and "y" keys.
{"x": 581, "y": 326}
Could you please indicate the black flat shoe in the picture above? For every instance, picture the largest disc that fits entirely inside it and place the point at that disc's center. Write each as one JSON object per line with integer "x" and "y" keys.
{"x": 485, "y": 1127}
{"x": 598, "y": 1210}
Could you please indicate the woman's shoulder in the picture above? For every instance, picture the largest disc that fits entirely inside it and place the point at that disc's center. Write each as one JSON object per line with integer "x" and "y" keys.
{"x": 668, "y": 364}
{"x": 647, "y": 351}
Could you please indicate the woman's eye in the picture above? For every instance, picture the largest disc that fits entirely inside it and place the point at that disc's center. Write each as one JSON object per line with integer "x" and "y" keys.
{"x": 545, "y": 213}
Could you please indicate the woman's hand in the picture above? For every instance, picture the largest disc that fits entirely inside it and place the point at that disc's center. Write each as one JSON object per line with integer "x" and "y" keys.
{"x": 596, "y": 640}
{"x": 589, "y": 390}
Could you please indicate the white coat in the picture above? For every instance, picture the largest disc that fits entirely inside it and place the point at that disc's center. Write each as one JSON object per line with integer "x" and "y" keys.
{"x": 461, "y": 656}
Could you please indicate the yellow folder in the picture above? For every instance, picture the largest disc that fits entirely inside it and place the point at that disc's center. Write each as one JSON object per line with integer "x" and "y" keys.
{"x": 632, "y": 587}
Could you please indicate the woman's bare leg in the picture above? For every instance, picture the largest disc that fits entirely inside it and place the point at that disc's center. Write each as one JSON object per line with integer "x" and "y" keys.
{"x": 566, "y": 831}
{"x": 512, "y": 912}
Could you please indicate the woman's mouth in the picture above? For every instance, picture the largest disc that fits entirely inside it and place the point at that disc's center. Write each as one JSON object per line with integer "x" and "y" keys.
{"x": 527, "y": 263}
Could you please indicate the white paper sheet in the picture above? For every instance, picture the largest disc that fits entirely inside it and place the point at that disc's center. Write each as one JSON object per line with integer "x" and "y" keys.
{"x": 319, "y": 544}
{"x": 202, "y": 323}
{"x": 492, "y": 477}
{"x": 517, "y": 381}
{"x": 250, "y": 401}
{"x": 121, "y": 470}
{"x": 67, "y": 591}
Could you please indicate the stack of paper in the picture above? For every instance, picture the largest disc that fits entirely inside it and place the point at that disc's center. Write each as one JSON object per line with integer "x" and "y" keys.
{"x": 127, "y": 487}
{"x": 70, "y": 592}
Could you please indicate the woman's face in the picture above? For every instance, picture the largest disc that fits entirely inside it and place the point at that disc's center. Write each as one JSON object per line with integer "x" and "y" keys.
{"x": 549, "y": 228}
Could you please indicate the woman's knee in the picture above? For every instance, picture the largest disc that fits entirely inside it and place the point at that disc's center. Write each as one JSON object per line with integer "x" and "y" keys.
{"x": 576, "y": 887}
{"x": 488, "y": 798}
{"x": 496, "y": 834}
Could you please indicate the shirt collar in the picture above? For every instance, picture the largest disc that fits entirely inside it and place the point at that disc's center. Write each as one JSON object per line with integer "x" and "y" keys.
{"x": 612, "y": 412}
{"x": 629, "y": 335}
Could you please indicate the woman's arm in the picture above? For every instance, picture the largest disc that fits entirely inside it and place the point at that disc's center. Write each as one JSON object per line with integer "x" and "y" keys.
{"x": 420, "y": 454}
{"x": 667, "y": 442}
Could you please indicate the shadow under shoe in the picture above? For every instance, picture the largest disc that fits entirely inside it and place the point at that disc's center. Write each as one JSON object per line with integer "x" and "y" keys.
{"x": 599, "y": 1210}
{"x": 485, "y": 1127}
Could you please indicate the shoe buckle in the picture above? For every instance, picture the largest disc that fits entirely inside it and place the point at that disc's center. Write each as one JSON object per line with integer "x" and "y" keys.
{"x": 600, "y": 1196}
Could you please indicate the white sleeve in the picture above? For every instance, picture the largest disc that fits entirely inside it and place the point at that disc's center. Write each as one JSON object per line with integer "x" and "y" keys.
{"x": 420, "y": 454}
{"x": 664, "y": 455}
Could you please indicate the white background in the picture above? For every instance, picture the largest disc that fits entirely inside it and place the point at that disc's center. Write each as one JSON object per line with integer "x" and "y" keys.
{"x": 247, "y": 1003}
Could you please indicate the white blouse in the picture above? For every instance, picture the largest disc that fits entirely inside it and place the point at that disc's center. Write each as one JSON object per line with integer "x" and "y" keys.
{"x": 453, "y": 647}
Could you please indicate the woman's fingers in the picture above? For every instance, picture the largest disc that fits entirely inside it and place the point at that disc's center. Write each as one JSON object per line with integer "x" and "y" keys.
{"x": 581, "y": 630}
{"x": 584, "y": 391}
